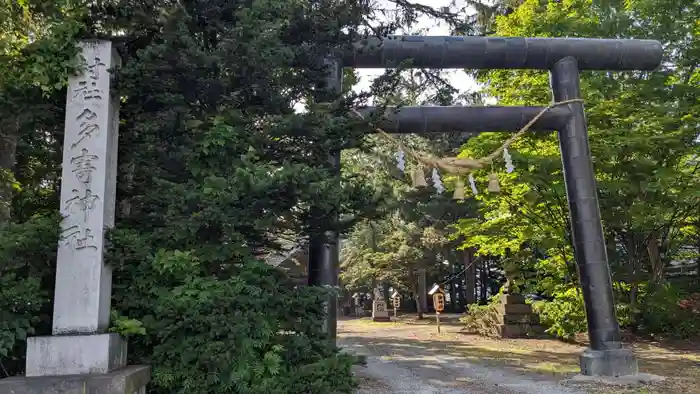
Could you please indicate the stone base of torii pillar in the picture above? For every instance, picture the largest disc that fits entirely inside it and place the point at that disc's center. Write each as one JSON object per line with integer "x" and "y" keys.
{"x": 81, "y": 357}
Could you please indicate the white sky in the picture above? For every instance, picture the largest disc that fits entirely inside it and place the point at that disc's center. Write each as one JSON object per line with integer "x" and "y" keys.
{"x": 459, "y": 79}
{"x": 424, "y": 26}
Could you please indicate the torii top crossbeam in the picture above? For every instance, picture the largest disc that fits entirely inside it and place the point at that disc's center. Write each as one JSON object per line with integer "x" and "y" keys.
{"x": 503, "y": 52}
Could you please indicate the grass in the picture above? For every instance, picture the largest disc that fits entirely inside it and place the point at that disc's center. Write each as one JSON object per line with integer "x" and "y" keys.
{"x": 678, "y": 362}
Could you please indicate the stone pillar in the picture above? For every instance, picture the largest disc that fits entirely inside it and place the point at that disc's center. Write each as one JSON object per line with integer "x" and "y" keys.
{"x": 80, "y": 345}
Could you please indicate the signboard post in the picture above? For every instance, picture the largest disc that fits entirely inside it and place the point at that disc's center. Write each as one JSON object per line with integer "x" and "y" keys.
{"x": 438, "y": 303}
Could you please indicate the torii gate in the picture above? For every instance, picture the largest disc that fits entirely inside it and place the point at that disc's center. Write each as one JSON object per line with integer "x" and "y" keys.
{"x": 564, "y": 58}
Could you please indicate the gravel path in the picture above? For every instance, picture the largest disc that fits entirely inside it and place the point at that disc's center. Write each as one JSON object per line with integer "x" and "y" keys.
{"x": 398, "y": 368}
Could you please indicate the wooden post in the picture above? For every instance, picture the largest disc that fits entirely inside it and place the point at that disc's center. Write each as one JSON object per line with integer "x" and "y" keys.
{"x": 438, "y": 303}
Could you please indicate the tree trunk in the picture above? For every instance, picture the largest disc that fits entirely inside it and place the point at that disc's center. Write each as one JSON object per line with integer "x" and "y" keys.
{"x": 632, "y": 270}
{"x": 416, "y": 295}
{"x": 483, "y": 278}
{"x": 461, "y": 294}
{"x": 655, "y": 260}
{"x": 453, "y": 290}
{"x": 422, "y": 292}
{"x": 127, "y": 182}
{"x": 697, "y": 241}
{"x": 470, "y": 277}
{"x": 8, "y": 151}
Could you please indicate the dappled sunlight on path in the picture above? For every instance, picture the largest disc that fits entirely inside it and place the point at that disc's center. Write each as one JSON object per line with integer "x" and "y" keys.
{"x": 439, "y": 364}
{"x": 514, "y": 365}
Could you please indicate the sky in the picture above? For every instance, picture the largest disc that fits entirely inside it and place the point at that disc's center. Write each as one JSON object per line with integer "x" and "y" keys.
{"x": 458, "y": 78}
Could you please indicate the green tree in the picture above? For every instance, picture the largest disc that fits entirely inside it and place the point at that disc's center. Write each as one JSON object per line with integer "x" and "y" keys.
{"x": 409, "y": 232}
{"x": 214, "y": 167}
{"x": 642, "y": 127}
{"x": 37, "y": 54}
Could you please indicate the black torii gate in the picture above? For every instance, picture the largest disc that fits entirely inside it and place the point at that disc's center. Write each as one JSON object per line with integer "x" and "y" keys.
{"x": 564, "y": 58}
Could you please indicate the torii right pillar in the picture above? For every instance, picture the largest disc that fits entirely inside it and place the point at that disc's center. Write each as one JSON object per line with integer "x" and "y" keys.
{"x": 563, "y": 58}
{"x": 605, "y": 356}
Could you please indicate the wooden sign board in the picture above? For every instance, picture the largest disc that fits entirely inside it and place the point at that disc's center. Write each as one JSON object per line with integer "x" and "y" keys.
{"x": 439, "y": 301}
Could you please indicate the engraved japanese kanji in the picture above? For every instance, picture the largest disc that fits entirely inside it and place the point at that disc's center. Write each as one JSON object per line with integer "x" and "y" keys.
{"x": 88, "y": 88}
{"x": 78, "y": 238}
{"x": 83, "y": 166}
{"x": 85, "y": 202}
{"x": 88, "y": 126}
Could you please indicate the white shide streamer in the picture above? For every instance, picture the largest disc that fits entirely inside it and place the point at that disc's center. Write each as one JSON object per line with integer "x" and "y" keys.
{"x": 472, "y": 183}
{"x": 437, "y": 182}
{"x": 400, "y": 160}
{"x": 509, "y": 161}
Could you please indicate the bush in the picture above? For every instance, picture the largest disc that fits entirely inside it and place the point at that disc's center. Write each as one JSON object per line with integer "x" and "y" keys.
{"x": 564, "y": 316}
{"x": 670, "y": 310}
{"x": 477, "y": 319}
{"x": 27, "y": 269}
{"x": 251, "y": 331}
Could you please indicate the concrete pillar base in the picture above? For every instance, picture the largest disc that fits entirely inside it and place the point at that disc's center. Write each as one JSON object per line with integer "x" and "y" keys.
{"x": 613, "y": 363}
{"x": 129, "y": 380}
{"x": 75, "y": 354}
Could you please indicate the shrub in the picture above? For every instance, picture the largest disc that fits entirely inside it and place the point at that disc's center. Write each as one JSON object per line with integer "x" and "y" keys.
{"x": 670, "y": 310}
{"x": 252, "y": 331}
{"x": 564, "y": 316}
{"x": 476, "y": 318}
{"x": 27, "y": 269}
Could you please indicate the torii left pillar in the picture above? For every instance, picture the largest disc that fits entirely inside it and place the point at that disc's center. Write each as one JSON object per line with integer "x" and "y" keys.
{"x": 81, "y": 356}
{"x": 324, "y": 243}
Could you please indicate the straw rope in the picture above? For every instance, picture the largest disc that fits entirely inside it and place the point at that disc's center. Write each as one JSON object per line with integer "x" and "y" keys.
{"x": 456, "y": 165}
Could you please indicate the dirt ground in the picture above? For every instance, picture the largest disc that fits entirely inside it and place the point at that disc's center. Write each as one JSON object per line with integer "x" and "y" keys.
{"x": 678, "y": 362}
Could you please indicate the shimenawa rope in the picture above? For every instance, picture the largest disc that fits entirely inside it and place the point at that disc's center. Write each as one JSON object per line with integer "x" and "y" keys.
{"x": 456, "y": 165}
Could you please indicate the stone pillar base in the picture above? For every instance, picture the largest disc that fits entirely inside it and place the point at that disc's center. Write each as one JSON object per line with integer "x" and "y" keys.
{"x": 614, "y": 363}
{"x": 129, "y": 380}
{"x": 75, "y": 354}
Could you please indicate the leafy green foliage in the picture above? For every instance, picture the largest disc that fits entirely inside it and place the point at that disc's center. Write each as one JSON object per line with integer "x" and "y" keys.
{"x": 215, "y": 167}
{"x": 484, "y": 319}
{"x": 37, "y": 54}
{"x": 27, "y": 252}
{"x": 642, "y": 129}
{"x": 126, "y": 327}
{"x": 218, "y": 167}
{"x": 671, "y": 310}
{"x": 564, "y": 316}
{"x": 410, "y": 229}
{"x": 255, "y": 331}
